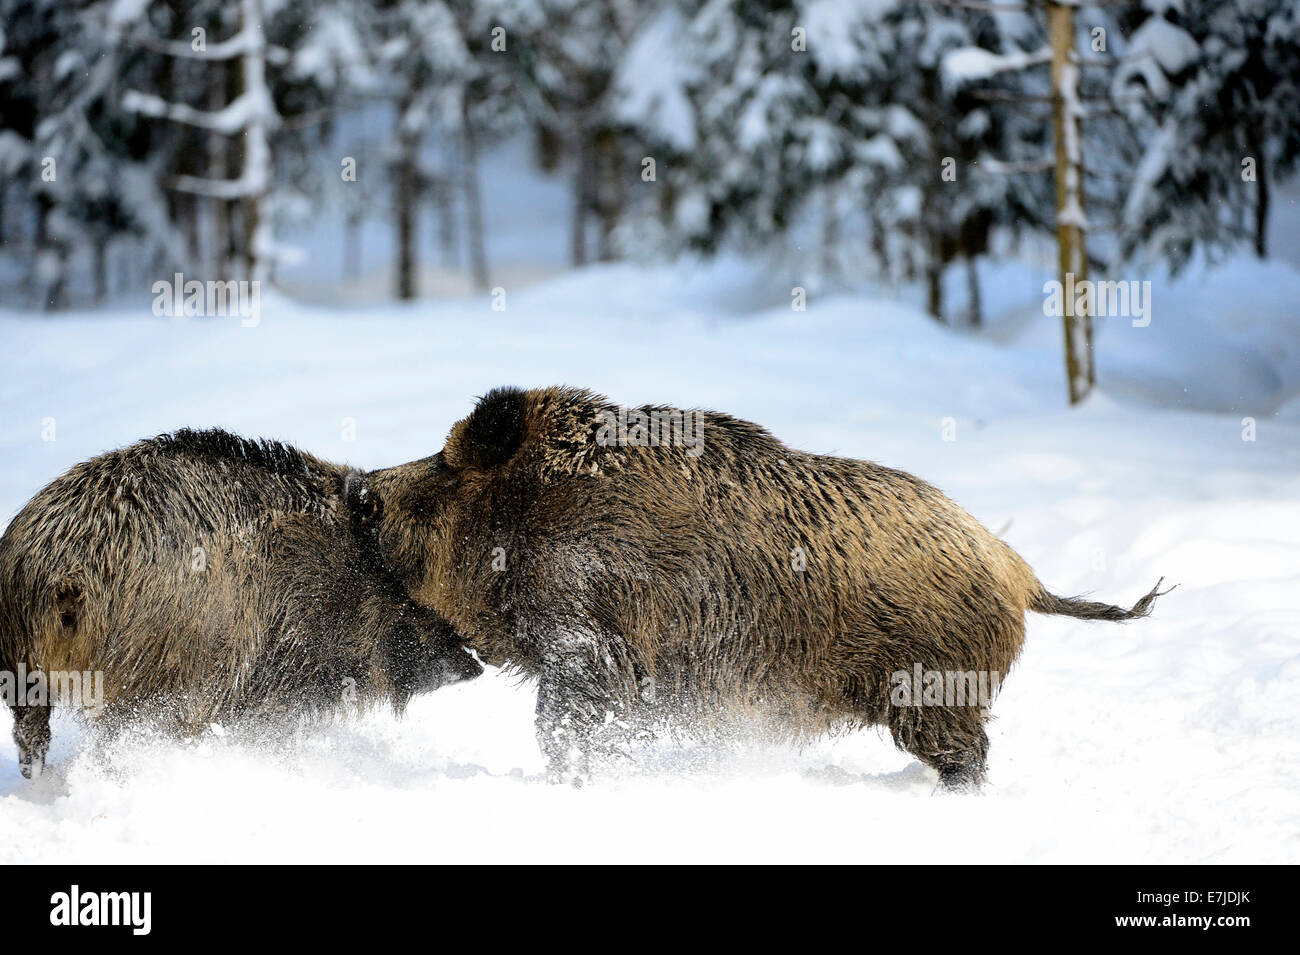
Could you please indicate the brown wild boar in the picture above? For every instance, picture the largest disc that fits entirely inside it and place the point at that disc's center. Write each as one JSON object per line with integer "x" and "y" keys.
{"x": 208, "y": 578}
{"x": 687, "y": 567}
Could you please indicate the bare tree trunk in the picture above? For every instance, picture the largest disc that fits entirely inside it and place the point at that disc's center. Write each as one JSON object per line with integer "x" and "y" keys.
{"x": 932, "y": 208}
{"x": 352, "y": 244}
{"x": 405, "y": 204}
{"x": 407, "y": 281}
{"x": 100, "y": 268}
{"x": 237, "y": 218}
{"x": 189, "y": 223}
{"x": 232, "y": 216}
{"x": 187, "y": 205}
{"x": 667, "y": 202}
{"x": 609, "y": 192}
{"x": 252, "y": 221}
{"x": 830, "y": 233}
{"x": 581, "y": 190}
{"x": 52, "y": 293}
{"x": 218, "y": 145}
{"x": 934, "y": 283}
{"x": 257, "y": 146}
{"x": 445, "y": 211}
{"x": 973, "y": 291}
{"x": 880, "y": 246}
{"x": 548, "y": 147}
{"x": 473, "y": 200}
{"x": 1262, "y": 198}
{"x": 1070, "y": 224}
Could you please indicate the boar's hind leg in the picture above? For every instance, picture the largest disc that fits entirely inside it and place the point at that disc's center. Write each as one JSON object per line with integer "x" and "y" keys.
{"x": 949, "y": 739}
{"x": 32, "y": 734}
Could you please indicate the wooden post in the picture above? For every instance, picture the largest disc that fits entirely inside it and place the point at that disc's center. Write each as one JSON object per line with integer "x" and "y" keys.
{"x": 1071, "y": 224}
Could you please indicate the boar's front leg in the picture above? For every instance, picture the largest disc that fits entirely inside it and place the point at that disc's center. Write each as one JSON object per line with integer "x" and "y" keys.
{"x": 563, "y": 733}
{"x": 32, "y": 736}
{"x": 573, "y": 696}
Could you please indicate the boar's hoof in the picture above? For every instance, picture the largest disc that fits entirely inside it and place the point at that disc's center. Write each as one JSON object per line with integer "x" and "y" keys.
{"x": 571, "y": 777}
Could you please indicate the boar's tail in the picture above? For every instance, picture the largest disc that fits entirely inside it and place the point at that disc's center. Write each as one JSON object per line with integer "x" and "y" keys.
{"x": 1043, "y": 602}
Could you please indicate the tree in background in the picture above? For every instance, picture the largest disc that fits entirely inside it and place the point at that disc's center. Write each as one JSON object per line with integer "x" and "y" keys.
{"x": 774, "y": 115}
{"x": 81, "y": 167}
{"x": 974, "y": 151}
{"x": 566, "y": 55}
{"x": 1221, "y": 119}
{"x": 840, "y": 128}
{"x": 249, "y": 118}
{"x": 325, "y": 66}
{"x": 490, "y": 107}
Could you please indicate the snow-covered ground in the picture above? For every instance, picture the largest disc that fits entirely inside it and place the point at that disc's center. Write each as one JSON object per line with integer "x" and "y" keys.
{"x": 1174, "y": 739}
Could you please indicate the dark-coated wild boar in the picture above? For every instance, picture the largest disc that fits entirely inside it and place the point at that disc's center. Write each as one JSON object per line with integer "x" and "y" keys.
{"x": 687, "y": 567}
{"x": 200, "y": 577}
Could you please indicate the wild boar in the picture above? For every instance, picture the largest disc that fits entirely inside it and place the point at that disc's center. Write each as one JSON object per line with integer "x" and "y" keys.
{"x": 202, "y": 577}
{"x": 677, "y": 567}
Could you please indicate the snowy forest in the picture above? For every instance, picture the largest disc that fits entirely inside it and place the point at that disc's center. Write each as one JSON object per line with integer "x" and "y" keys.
{"x": 1041, "y": 254}
{"x": 898, "y": 138}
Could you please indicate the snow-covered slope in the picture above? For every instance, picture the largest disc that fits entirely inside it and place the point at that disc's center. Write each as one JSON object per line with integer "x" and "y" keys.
{"x": 1171, "y": 739}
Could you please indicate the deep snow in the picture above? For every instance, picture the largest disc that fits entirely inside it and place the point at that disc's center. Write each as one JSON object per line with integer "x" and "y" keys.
{"x": 1174, "y": 739}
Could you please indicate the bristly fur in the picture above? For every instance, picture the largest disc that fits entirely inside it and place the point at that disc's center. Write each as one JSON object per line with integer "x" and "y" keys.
{"x": 216, "y": 578}
{"x": 639, "y": 580}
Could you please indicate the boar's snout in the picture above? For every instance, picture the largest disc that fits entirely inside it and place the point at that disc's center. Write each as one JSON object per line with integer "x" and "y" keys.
{"x": 456, "y": 666}
{"x": 420, "y": 663}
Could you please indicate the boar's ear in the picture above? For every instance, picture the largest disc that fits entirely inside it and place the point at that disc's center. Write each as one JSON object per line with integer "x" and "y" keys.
{"x": 494, "y": 431}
